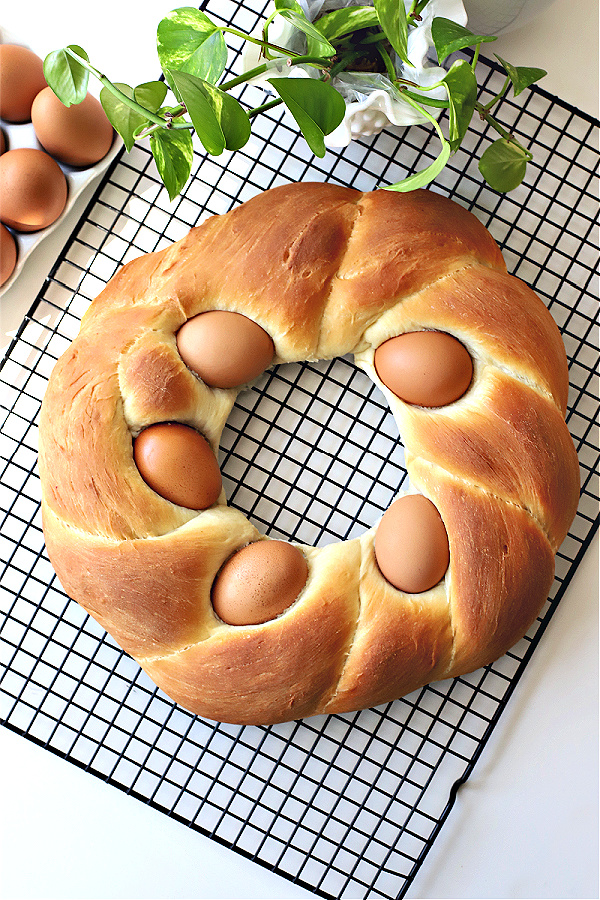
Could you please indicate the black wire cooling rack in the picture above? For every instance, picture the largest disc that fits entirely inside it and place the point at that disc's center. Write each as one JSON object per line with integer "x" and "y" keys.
{"x": 345, "y": 806}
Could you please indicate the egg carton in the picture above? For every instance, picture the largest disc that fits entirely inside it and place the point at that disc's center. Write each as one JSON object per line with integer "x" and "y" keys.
{"x": 23, "y": 135}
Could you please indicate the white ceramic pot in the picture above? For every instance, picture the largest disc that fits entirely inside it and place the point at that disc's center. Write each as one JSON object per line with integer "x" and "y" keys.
{"x": 498, "y": 16}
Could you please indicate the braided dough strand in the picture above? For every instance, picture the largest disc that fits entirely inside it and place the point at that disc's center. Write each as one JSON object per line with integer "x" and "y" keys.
{"x": 325, "y": 271}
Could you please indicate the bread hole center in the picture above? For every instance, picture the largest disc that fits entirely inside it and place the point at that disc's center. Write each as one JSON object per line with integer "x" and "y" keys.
{"x": 311, "y": 453}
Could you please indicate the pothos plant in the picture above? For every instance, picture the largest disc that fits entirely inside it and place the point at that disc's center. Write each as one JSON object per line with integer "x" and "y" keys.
{"x": 193, "y": 55}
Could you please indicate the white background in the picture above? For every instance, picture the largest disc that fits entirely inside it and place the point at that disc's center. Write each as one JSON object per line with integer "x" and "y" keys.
{"x": 525, "y": 824}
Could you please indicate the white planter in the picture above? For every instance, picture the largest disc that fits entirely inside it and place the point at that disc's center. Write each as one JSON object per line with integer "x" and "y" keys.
{"x": 369, "y": 107}
{"x": 369, "y": 111}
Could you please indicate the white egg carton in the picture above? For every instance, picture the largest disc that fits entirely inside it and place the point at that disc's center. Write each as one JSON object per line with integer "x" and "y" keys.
{"x": 23, "y": 135}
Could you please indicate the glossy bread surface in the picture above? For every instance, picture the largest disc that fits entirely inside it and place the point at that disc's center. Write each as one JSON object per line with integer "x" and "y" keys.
{"x": 324, "y": 271}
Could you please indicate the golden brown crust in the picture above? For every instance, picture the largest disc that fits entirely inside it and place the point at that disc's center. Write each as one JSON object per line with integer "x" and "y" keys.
{"x": 402, "y": 641}
{"x": 399, "y": 245}
{"x": 285, "y": 669}
{"x": 517, "y": 448}
{"x": 325, "y": 271}
{"x": 502, "y": 567}
{"x": 500, "y": 320}
{"x": 148, "y": 616}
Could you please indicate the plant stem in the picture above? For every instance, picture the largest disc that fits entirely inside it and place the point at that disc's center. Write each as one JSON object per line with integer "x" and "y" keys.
{"x": 389, "y": 65}
{"x": 485, "y": 115}
{"x": 374, "y": 38}
{"x": 128, "y": 101}
{"x": 427, "y": 115}
{"x": 405, "y": 86}
{"x": 415, "y": 11}
{"x": 317, "y": 61}
{"x": 498, "y": 96}
{"x": 344, "y": 62}
{"x": 248, "y": 37}
{"x": 420, "y": 6}
{"x": 157, "y": 127}
{"x": 428, "y": 101}
{"x": 265, "y": 40}
{"x": 240, "y": 79}
{"x": 264, "y": 107}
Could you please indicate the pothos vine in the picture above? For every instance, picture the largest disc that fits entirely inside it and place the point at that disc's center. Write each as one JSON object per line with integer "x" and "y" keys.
{"x": 195, "y": 96}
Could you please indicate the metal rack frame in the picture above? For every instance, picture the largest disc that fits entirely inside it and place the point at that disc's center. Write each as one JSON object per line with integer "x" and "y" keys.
{"x": 348, "y": 805}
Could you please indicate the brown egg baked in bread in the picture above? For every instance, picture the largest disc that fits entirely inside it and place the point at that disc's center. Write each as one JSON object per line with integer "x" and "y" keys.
{"x": 315, "y": 271}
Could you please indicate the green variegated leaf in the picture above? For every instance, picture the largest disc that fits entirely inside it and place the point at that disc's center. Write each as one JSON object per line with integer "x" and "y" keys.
{"x": 292, "y": 12}
{"x": 450, "y": 37}
{"x": 126, "y": 121}
{"x": 461, "y": 85}
{"x": 231, "y": 116}
{"x": 192, "y": 92}
{"x": 188, "y": 41}
{"x": 521, "y": 76}
{"x": 173, "y": 154}
{"x": 66, "y": 76}
{"x": 503, "y": 165}
{"x": 151, "y": 94}
{"x": 394, "y": 23}
{"x": 339, "y": 22}
{"x": 317, "y": 108}
{"x": 219, "y": 120}
{"x": 425, "y": 176}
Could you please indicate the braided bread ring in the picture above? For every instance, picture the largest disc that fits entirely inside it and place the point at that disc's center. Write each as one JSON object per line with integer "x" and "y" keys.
{"x": 326, "y": 271}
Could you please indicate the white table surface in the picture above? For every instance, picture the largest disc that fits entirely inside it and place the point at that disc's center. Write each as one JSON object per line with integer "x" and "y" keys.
{"x": 526, "y": 822}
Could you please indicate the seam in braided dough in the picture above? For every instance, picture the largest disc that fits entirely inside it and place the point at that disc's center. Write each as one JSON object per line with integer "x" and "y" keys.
{"x": 484, "y": 490}
{"x": 365, "y": 345}
{"x": 331, "y": 689}
{"x": 325, "y": 271}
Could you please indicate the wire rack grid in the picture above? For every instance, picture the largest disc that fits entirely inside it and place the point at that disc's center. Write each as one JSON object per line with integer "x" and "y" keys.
{"x": 345, "y": 806}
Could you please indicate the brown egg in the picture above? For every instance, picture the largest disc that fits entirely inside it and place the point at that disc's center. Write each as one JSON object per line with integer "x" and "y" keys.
{"x": 21, "y": 78}
{"x": 426, "y": 368}
{"x": 33, "y": 189}
{"x": 259, "y": 582}
{"x": 411, "y": 544}
{"x": 8, "y": 254}
{"x": 179, "y": 464}
{"x": 2, "y": 142}
{"x": 79, "y": 135}
{"x": 226, "y": 349}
